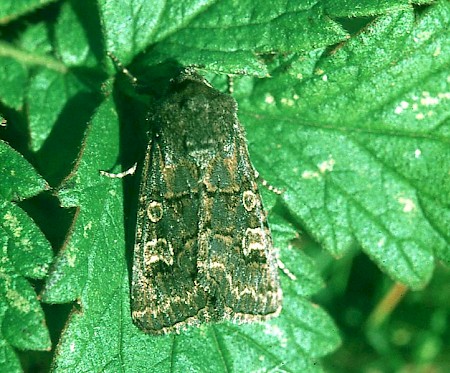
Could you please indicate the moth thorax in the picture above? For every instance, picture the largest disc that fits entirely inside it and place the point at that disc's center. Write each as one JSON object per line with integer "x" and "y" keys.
{"x": 201, "y": 157}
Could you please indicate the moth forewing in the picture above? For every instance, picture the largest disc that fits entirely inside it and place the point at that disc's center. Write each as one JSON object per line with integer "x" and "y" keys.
{"x": 203, "y": 248}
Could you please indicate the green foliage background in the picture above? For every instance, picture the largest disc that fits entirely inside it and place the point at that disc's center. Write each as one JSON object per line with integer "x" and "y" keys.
{"x": 346, "y": 106}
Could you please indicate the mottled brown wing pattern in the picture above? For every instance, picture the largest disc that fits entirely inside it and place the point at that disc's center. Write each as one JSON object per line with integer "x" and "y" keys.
{"x": 236, "y": 257}
{"x": 203, "y": 248}
{"x": 165, "y": 294}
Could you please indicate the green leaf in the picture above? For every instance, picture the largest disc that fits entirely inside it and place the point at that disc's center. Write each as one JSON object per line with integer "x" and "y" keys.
{"x": 30, "y": 251}
{"x": 190, "y": 37}
{"x": 14, "y": 77}
{"x": 23, "y": 324}
{"x": 368, "y": 8}
{"x": 77, "y": 37}
{"x": 19, "y": 179}
{"x": 8, "y": 359}
{"x": 364, "y": 143}
{"x": 24, "y": 252}
{"x": 100, "y": 204}
{"x": 300, "y": 276}
{"x": 11, "y": 9}
{"x": 48, "y": 95}
{"x": 50, "y": 85}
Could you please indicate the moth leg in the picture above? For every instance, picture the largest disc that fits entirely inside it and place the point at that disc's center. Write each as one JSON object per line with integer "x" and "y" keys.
{"x": 285, "y": 270}
{"x": 266, "y": 184}
{"x": 120, "y": 175}
{"x": 230, "y": 84}
{"x": 122, "y": 68}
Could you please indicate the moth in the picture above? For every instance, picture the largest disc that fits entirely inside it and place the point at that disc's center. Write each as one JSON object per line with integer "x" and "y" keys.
{"x": 203, "y": 249}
